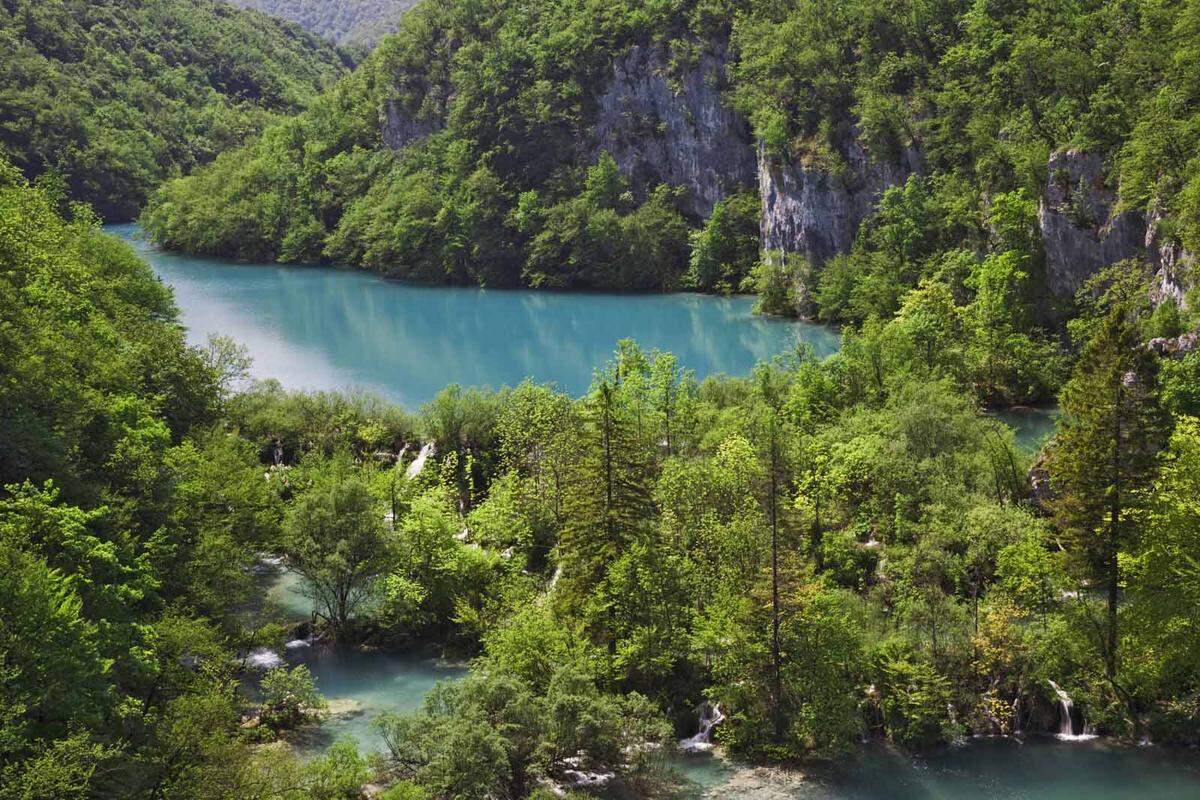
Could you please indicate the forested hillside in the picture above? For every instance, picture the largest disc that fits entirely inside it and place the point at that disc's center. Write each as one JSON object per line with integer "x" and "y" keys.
{"x": 828, "y": 549}
{"x": 346, "y": 22}
{"x": 117, "y": 96}
{"x": 1020, "y": 146}
{"x": 998, "y": 201}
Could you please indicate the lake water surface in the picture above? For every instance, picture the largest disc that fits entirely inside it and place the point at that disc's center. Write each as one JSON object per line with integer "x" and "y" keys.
{"x": 1032, "y": 425}
{"x": 320, "y": 328}
{"x": 1038, "y": 768}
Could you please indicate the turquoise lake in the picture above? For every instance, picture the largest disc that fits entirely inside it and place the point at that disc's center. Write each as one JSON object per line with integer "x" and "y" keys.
{"x": 321, "y": 328}
{"x": 1036, "y": 768}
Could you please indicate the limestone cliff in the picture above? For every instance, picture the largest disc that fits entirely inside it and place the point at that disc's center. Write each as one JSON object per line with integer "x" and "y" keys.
{"x": 666, "y": 123}
{"x": 816, "y": 213}
{"x": 401, "y": 128}
{"x": 1173, "y": 266}
{"x": 673, "y": 128}
{"x": 660, "y": 125}
{"x": 1082, "y": 230}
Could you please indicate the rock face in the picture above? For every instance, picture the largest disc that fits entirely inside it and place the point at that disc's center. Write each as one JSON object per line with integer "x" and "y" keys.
{"x": 401, "y": 128}
{"x": 1172, "y": 264}
{"x": 1081, "y": 230}
{"x": 674, "y": 129}
{"x": 1175, "y": 346}
{"x": 815, "y": 213}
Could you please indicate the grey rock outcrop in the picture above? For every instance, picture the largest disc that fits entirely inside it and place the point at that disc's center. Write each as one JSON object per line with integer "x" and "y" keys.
{"x": 1082, "y": 230}
{"x": 673, "y": 129}
{"x": 1175, "y": 346}
{"x": 401, "y": 128}
{"x": 813, "y": 212}
{"x": 1173, "y": 266}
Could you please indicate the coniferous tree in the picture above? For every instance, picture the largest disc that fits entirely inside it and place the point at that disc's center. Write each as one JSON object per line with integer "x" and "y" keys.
{"x": 772, "y": 446}
{"x": 608, "y": 502}
{"x": 1106, "y": 453}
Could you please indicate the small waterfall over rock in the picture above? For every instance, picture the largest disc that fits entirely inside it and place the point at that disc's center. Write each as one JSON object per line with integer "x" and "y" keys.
{"x": 264, "y": 658}
{"x": 710, "y": 717}
{"x": 1066, "y": 726}
{"x": 418, "y": 464}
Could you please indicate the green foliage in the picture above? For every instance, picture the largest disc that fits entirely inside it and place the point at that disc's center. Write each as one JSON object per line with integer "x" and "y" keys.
{"x": 1107, "y": 449}
{"x": 779, "y": 279}
{"x": 339, "y": 775}
{"x": 53, "y": 672}
{"x": 823, "y": 547}
{"x": 289, "y": 696}
{"x": 725, "y": 251}
{"x": 335, "y": 539}
{"x": 117, "y": 97}
{"x": 96, "y": 376}
{"x": 823, "y": 657}
{"x": 1163, "y": 577}
{"x": 490, "y": 191}
{"x": 493, "y": 735}
{"x": 287, "y": 425}
{"x": 914, "y": 700}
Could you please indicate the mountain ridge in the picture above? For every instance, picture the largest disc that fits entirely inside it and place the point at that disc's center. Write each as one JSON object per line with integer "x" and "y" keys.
{"x": 344, "y": 22}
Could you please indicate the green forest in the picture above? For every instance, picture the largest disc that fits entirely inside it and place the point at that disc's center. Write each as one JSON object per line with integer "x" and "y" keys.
{"x": 497, "y": 193}
{"x": 830, "y": 550}
{"x": 114, "y": 97}
{"x": 827, "y": 548}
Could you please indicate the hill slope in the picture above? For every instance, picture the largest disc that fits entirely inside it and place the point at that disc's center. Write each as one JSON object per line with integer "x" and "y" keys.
{"x": 346, "y": 22}
{"x": 119, "y": 95}
{"x": 471, "y": 146}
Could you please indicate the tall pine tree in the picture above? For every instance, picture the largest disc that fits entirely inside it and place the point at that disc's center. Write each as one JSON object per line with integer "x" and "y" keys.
{"x": 1105, "y": 453}
{"x": 608, "y": 503}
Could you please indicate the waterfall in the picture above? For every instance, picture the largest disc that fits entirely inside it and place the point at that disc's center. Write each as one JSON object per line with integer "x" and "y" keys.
{"x": 264, "y": 658}
{"x": 710, "y": 717}
{"x": 418, "y": 464}
{"x": 1066, "y": 726}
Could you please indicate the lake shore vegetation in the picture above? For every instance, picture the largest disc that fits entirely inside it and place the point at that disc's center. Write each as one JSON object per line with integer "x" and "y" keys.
{"x": 826, "y": 549}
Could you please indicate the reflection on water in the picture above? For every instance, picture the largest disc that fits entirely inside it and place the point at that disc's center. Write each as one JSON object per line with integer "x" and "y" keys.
{"x": 1032, "y": 426}
{"x": 316, "y": 328}
{"x": 1039, "y": 768}
{"x": 360, "y": 686}
{"x": 286, "y": 595}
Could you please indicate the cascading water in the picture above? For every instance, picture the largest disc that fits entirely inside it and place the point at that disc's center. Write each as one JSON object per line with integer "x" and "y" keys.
{"x": 263, "y": 658}
{"x": 710, "y": 717}
{"x": 1066, "y": 726}
{"x": 418, "y": 464}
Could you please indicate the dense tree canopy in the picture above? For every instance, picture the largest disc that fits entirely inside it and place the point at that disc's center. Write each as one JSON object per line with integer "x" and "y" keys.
{"x": 118, "y": 96}
{"x": 823, "y": 549}
{"x": 496, "y": 182}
